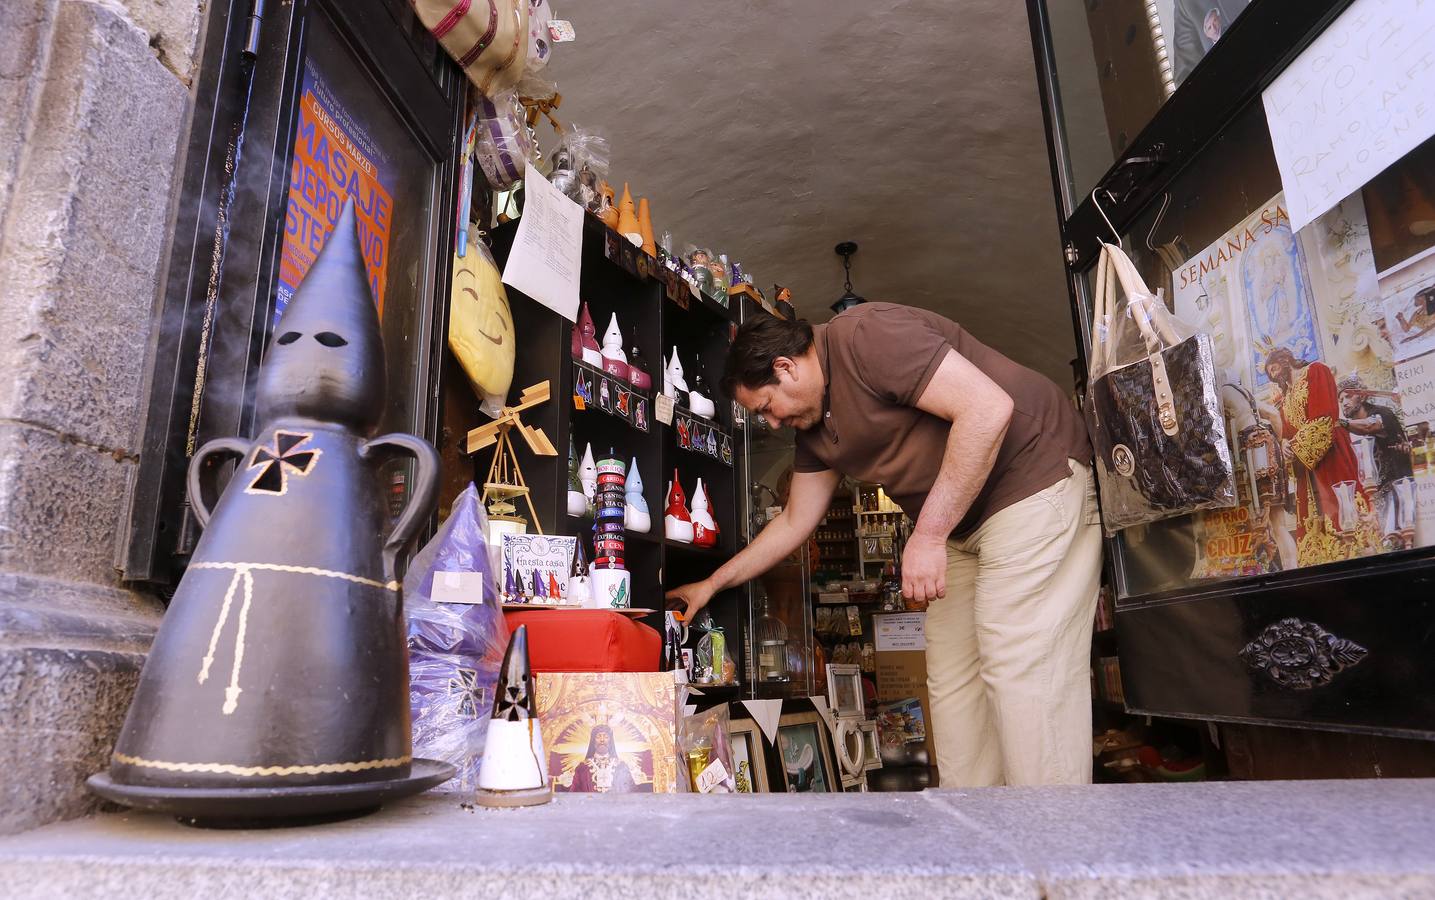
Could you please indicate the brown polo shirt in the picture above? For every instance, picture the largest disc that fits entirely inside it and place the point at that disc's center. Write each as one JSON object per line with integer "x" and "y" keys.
{"x": 878, "y": 359}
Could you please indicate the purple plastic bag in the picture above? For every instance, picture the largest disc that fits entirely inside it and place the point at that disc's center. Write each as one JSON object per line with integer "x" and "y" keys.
{"x": 455, "y": 648}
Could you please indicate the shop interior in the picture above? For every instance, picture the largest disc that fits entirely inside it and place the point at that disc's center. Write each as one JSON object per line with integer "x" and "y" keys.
{"x": 713, "y": 173}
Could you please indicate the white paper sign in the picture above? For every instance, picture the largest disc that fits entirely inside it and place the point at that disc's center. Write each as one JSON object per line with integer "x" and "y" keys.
{"x": 458, "y": 587}
{"x": 901, "y": 631}
{"x": 663, "y": 409}
{"x": 1416, "y": 379}
{"x": 547, "y": 250}
{"x": 1359, "y": 98}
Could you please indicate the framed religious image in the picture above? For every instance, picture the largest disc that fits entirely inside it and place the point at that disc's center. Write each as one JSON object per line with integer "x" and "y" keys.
{"x": 749, "y": 762}
{"x": 805, "y": 749}
{"x": 844, "y": 689}
{"x": 609, "y": 732}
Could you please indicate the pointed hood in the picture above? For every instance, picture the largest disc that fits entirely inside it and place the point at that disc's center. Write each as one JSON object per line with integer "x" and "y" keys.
{"x": 677, "y": 500}
{"x": 613, "y": 338}
{"x": 700, "y": 498}
{"x": 513, "y": 695}
{"x": 326, "y": 360}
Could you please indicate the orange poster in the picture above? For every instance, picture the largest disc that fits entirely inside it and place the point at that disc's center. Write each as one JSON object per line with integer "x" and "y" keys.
{"x": 334, "y": 159}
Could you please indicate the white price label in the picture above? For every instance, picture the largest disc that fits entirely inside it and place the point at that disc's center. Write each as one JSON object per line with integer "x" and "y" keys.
{"x": 713, "y": 777}
{"x": 458, "y": 587}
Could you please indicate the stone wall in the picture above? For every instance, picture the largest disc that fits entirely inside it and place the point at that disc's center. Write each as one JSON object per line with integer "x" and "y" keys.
{"x": 93, "y": 102}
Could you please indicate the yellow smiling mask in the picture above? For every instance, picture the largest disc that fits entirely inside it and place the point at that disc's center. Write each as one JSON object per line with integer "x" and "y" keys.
{"x": 480, "y": 325}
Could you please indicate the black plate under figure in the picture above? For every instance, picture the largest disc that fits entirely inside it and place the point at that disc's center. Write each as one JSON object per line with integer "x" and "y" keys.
{"x": 273, "y": 807}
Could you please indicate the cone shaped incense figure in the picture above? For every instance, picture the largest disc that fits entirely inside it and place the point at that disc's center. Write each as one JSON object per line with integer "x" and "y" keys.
{"x": 698, "y": 399}
{"x": 279, "y": 675}
{"x": 645, "y": 228}
{"x": 638, "y": 375}
{"x": 677, "y": 524}
{"x": 634, "y": 503}
{"x": 628, "y": 220}
{"x": 514, "y": 770}
{"x": 585, "y": 340}
{"x": 615, "y": 361}
{"x": 705, "y": 530}
{"x": 588, "y": 476}
{"x": 580, "y": 592}
{"x": 577, "y": 499}
{"x": 674, "y": 385}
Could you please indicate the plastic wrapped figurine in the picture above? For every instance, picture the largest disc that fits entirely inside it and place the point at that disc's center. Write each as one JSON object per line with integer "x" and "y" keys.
{"x": 563, "y": 175}
{"x": 704, "y": 745}
{"x": 702, "y": 275}
{"x": 677, "y": 524}
{"x": 615, "y": 361}
{"x": 712, "y": 663}
{"x": 503, "y": 143}
{"x": 705, "y": 530}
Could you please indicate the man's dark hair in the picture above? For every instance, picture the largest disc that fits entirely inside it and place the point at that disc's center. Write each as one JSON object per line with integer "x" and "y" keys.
{"x": 759, "y": 341}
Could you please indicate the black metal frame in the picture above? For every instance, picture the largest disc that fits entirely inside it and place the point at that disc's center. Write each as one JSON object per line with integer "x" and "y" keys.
{"x": 1191, "y": 678}
{"x": 216, "y": 299}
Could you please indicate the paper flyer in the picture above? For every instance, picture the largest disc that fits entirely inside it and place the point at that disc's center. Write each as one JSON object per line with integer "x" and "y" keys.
{"x": 546, "y": 258}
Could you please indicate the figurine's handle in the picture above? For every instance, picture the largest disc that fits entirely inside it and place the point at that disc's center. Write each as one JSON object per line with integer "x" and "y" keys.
{"x": 421, "y": 498}
{"x": 234, "y": 446}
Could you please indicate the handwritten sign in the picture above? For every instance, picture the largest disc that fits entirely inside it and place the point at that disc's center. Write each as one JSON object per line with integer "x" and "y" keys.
{"x": 1358, "y": 99}
{"x": 334, "y": 159}
{"x": 547, "y": 250}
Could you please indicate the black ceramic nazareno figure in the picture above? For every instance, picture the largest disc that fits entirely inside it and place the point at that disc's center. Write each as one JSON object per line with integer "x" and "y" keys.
{"x": 278, "y": 683}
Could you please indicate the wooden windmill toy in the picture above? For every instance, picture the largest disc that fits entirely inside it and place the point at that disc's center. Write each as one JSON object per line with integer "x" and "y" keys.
{"x": 505, "y": 479}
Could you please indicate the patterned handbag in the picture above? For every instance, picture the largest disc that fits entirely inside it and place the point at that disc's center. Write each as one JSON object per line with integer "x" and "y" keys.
{"x": 487, "y": 38}
{"x": 1153, "y": 407}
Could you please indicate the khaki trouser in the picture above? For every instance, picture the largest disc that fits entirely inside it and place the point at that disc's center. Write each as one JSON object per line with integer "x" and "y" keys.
{"x": 1008, "y": 647}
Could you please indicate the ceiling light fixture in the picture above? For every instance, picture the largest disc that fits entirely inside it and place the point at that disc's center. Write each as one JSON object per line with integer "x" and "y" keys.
{"x": 848, "y": 298}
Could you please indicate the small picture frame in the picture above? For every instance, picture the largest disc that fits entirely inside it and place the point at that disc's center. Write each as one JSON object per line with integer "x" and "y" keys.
{"x": 749, "y": 761}
{"x": 844, "y": 690}
{"x": 874, "y": 745}
{"x": 804, "y": 750}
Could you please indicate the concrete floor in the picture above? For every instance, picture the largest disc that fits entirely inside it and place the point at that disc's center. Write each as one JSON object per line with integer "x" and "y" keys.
{"x": 1312, "y": 839}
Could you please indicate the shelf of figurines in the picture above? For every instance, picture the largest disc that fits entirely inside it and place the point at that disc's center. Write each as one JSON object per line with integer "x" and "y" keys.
{"x": 679, "y": 283}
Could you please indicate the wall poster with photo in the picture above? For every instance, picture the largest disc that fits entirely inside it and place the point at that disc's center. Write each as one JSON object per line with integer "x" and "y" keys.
{"x": 1301, "y": 345}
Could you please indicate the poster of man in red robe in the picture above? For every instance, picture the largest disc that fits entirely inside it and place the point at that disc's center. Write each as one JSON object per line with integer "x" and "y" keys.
{"x": 1317, "y": 446}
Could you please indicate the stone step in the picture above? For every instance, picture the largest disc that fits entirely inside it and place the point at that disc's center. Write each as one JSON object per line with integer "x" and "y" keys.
{"x": 1310, "y": 839}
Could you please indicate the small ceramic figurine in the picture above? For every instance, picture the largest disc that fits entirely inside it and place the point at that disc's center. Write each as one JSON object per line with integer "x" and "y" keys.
{"x": 577, "y": 498}
{"x": 677, "y": 524}
{"x": 702, "y": 275}
{"x": 628, "y": 219}
{"x": 580, "y": 592}
{"x": 638, "y": 375}
{"x": 585, "y": 341}
{"x": 588, "y": 476}
{"x": 513, "y": 772}
{"x": 634, "y": 504}
{"x": 705, "y": 530}
{"x": 698, "y": 399}
{"x": 645, "y": 228}
{"x": 615, "y": 361}
{"x": 563, "y": 176}
{"x": 674, "y": 385}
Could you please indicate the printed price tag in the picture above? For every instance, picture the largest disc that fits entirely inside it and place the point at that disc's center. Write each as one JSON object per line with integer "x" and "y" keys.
{"x": 713, "y": 777}
{"x": 458, "y": 587}
{"x": 663, "y": 409}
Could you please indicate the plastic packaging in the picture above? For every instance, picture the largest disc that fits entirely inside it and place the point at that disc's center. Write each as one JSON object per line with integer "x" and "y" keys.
{"x": 455, "y": 648}
{"x": 1153, "y": 408}
{"x": 504, "y": 143}
{"x": 580, "y": 164}
{"x": 712, "y": 663}
{"x": 706, "y": 753}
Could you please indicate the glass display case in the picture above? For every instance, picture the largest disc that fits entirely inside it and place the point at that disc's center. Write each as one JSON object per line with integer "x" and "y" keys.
{"x": 1307, "y": 601}
{"x": 780, "y": 624}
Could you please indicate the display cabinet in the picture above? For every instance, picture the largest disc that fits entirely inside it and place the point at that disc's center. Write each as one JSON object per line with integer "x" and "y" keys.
{"x": 1308, "y": 602}
{"x": 618, "y": 280}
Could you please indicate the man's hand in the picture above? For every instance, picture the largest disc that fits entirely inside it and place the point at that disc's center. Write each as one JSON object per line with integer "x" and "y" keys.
{"x": 694, "y": 597}
{"x": 924, "y": 568}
